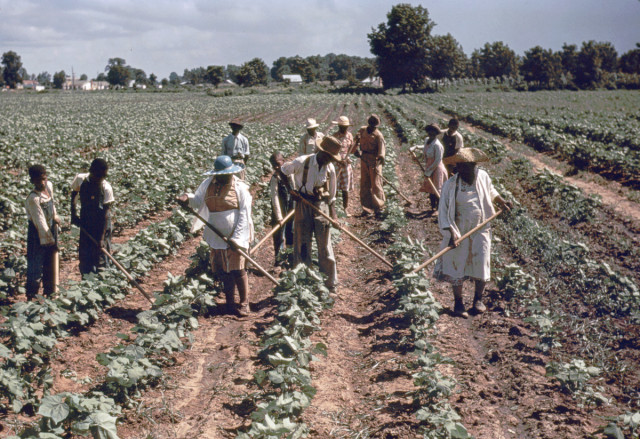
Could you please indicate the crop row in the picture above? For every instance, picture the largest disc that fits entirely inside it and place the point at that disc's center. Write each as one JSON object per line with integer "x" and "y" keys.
{"x": 609, "y": 155}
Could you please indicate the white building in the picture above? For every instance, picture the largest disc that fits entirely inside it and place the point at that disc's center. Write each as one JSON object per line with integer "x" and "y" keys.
{"x": 293, "y": 79}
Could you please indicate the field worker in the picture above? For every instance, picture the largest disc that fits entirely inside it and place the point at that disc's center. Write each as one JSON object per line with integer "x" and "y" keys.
{"x": 315, "y": 178}
{"x": 344, "y": 167}
{"x": 372, "y": 152}
{"x": 452, "y": 142}
{"x": 42, "y": 234}
{"x": 236, "y": 146}
{"x": 309, "y": 140}
{"x": 433, "y": 167}
{"x": 96, "y": 198}
{"x": 466, "y": 200}
{"x": 224, "y": 199}
{"x": 281, "y": 204}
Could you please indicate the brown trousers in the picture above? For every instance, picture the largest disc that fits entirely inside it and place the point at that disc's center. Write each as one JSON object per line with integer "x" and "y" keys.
{"x": 371, "y": 192}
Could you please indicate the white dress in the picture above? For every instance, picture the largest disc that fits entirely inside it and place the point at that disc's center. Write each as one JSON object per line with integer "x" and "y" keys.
{"x": 467, "y": 205}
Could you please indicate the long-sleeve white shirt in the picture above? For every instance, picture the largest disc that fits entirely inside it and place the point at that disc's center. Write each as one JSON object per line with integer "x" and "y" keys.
{"x": 316, "y": 176}
{"x": 447, "y": 208}
{"x": 235, "y": 146}
{"x": 235, "y": 224}
{"x": 36, "y": 214}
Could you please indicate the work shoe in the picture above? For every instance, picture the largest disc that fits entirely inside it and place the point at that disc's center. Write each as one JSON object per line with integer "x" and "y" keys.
{"x": 479, "y": 307}
{"x": 459, "y": 311}
{"x": 243, "y": 310}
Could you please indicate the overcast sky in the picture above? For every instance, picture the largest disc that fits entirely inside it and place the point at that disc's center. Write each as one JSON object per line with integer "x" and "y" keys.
{"x": 161, "y": 36}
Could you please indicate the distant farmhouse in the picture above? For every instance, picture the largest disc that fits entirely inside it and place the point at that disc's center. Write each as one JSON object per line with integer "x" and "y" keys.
{"x": 91, "y": 85}
{"x": 373, "y": 81}
{"x": 293, "y": 79}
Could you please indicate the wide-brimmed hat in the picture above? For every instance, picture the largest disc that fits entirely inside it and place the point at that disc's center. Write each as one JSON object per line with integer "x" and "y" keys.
{"x": 466, "y": 155}
{"x": 224, "y": 166}
{"x": 374, "y": 120}
{"x": 331, "y": 146}
{"x": 343, "y": 121}
{"x": 432, "y": 127}
{"x": 236, "y": 122}
{"x": 311, "y": 123}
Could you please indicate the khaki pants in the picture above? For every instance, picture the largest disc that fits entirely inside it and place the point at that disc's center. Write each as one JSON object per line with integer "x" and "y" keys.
{"x": 306, "y": 223}
{"x": 371, "y": 192}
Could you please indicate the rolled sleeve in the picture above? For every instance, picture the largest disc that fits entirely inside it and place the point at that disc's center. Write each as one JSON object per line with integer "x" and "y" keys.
{"x": 331, "y": 175}
{"x": 39, "y": 221}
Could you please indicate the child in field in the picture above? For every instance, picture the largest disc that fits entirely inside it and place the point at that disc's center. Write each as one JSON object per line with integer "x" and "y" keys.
{"x": 96, "y": 198}
{"x": 42, "y": 235}
{"x": 281, "y": 204}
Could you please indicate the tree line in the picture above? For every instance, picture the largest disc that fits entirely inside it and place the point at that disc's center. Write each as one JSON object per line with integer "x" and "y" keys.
{"x": 407, "y": 54}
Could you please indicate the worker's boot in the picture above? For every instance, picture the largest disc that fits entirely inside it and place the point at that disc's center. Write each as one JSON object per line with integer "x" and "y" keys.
{"x": 242, "y": 282}
{"x": 228, "y": 285}
{"x": 478, "y": 306}
{"x": 458, "y": 307}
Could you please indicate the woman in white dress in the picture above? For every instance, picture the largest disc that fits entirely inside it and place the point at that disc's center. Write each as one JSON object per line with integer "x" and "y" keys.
{"x": 467, "y": 200}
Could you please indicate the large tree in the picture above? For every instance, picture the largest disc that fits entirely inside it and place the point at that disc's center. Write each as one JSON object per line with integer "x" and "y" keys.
{"x": 542, "y": 66}
{"x": 11, "y": 71}
{"x": 402, "y": 45}
{"x": 496, "y": 59}
{"x": 44, "y": 78}
{"x": 252, "y": 73}
{"x": 630, "y": 61}
{"x": 594, "y": 61}
{"x": 214, "y": 75}
{"x": 446, "y": 58}
{"x": 59, "y": 79}
{"x": 117, "y": 72}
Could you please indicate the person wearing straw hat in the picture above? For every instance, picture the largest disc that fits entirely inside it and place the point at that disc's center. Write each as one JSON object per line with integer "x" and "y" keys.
{"x": 309, "y": 140}
{"x": 315, "y": 178}
{"x": 433, "y": 167}
{"x": 466, "y": 200}
{"x": 236, "y": 146}
{"x": 345, "y": 170}
{"x": 224, "y": 199}
{"x": 372, "y": 152}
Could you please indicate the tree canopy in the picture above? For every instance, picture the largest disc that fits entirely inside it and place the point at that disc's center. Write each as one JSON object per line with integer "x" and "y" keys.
{"x": 11, "y": 71}
{"x": 252, "y": 73}
{"x": 402, "y": 45}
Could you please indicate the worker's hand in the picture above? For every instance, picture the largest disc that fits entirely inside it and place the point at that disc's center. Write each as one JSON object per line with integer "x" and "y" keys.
{"x": 452, "y": 238}
{"x": 103, "y": 243}
{"x": 381, "y": 161}
{"x": 75, "y": 220}
{"x": 183, "y": 200}
{"x": 413, "y": 148}
{"x": 504, "y": 205}
{"x": 57, "y": 220}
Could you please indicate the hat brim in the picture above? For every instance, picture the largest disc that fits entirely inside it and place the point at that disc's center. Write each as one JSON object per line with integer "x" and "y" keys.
{"x": 233, "y": 169}
{"x": 336, "y": 157}
{"x": 340, "y": 124}
{"x": 236, "y": 124}
{"x": 312, "y": 126}
{"x": 466, "y": 155}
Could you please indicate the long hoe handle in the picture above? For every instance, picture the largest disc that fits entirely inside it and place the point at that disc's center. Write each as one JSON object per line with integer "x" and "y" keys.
{"x": 231, "y": 244}
{"x": 337, "y": 225}
{"x": 433, "y": 186}
{"x": 118, "y": 265}
{"x": 396, "y": 189}
{"x": 275, "y": 228}
{"x": 457, "y": 241}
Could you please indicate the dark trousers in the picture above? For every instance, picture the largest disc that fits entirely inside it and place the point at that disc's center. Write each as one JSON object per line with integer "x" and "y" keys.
{"x": 40, "y": 265}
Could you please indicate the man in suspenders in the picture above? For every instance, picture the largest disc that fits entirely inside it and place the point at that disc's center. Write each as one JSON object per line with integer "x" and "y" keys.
{"x": 315, "y": 179}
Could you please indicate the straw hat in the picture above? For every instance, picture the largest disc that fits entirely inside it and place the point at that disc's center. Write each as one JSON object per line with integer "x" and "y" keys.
{"x": 343, "y": 121}
{"x": 374, "y": 120}
{"x": 311, "y": 123}
{"x": 331, "y": 146}
{"x": 466, "y": 155}
{"x": 224, "y": 166}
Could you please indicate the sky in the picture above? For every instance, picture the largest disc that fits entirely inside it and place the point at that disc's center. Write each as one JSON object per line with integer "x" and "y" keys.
{"x": 160, "y": 36}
